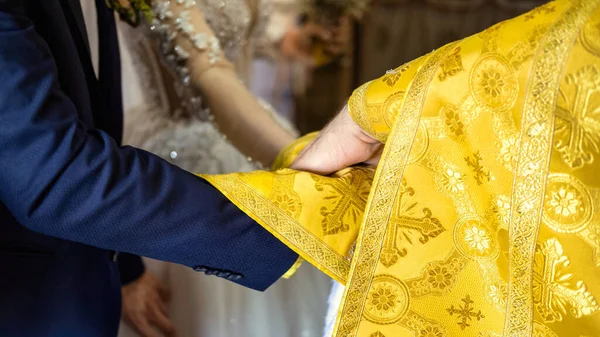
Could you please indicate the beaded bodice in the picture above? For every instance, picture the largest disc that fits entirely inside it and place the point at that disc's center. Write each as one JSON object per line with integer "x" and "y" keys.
{"x": 233, "y": 21}
{"x": 238, "y": 24}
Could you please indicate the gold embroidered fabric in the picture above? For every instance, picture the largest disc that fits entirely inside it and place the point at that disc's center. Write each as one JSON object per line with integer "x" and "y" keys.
{"x": 482, "y": 216}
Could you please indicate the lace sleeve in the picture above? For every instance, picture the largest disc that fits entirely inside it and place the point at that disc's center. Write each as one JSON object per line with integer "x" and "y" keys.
{"x": 187, "y": 41}
{"x": 191, "y": 48}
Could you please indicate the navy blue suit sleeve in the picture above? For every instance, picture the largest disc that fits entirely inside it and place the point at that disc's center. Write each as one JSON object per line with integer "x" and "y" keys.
{"x": 61, "y": 179}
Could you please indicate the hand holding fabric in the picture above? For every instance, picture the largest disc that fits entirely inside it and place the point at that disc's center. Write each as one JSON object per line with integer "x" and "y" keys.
{"x": 341, "y": 144}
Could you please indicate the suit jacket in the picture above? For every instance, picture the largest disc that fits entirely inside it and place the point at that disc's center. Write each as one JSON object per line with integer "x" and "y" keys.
{"x": 69, "y": 194}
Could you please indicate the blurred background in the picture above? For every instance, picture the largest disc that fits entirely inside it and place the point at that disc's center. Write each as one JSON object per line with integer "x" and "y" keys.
{"x": 391, "y": 33}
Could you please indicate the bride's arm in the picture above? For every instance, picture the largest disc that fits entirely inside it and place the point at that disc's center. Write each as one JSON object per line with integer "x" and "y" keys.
{"x": 202, "y": 64}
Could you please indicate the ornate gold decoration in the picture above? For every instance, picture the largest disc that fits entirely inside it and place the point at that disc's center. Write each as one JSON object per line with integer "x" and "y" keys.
{"x": 358, "y": 110}
{"x": 493, "y": 82}
{"x": 501, "y": 210}
{"x": 465, "y": 313}
{"x": 474, "y": 238}
{"x": 340, "y": 212}
{"x": 377, "y": 334}
{"x": 555, "y": 295}
{"x": 540, "y": 330}
{"x": 452, "y": 65}
{"x": 438, "y": 277}
{"x": 567, "y": 204}
{"x": 545, "y": 9}
{"x": 392, "y": 105}
{"x": 388, "y": 300}
{"x": 392, "y": 76}
{"x": 431, "y": 331}
{"x": 481, "y": 174}
{"x": 528, "y": 189}
{"x": 452, "y": 119}
{"x": 578, "y": 117}
{"x": 508, "y": 152}
{"x": 453, "y": 181}
{"x": 590, "y": 36}
{"x": 284, "y": 196}
{"x": 420, "y": 145}
{"x": 380, "y": 204}
{"x": 406, "y": 223}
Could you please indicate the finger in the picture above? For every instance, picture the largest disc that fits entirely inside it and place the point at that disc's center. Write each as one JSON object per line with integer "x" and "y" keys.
{"x": 164, "y": 292}
{"x": 374, "y": 161}
{"x": 141, "y": 325}
{"x": 162, "y": 321}
{"x": 156, "y": 301}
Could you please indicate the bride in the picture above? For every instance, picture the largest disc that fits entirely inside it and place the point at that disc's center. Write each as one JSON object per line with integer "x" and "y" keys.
{"x": 190, "y": 64}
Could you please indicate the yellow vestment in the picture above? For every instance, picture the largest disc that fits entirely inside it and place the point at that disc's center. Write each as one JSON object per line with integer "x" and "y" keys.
{"x": 482, "y": 217}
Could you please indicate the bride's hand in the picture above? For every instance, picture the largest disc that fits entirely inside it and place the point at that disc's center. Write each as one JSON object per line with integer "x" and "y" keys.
{"x": 144, "y": 307}
{"x": 342, "y": 143}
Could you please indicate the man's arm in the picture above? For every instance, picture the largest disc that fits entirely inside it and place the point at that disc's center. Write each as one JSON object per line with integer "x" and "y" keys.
{"x": 59, "y": 178}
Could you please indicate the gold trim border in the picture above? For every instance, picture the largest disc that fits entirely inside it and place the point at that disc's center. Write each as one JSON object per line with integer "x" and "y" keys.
{"x": 284, "y": 227}
{"x": 379, "y": 205}
{"x": 535, "y": 151}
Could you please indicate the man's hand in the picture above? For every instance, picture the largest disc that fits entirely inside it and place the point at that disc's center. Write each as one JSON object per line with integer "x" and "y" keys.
{"x": 342, "y": 143}
{"x": 144, "y": 307}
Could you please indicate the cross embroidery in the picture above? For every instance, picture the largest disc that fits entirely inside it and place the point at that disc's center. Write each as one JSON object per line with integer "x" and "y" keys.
{"x": 405, "y": 223}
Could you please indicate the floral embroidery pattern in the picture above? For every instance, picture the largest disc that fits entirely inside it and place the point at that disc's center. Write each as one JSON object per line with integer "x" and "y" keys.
{"x": 439, "y": 277}
{"x": 497, "y": 294}
{"x": 453, "y": 181}
{"x": 288, "y": 204}
{"x": 508, "y": 152}
{"x": 493, "y": 82}
{"x": 473, "y": 238}
{"x": 453, "y": 122}
{"x": 383, "y": 298}
{"x": 567, "y": 204}
{"x": 387, "y": 301}
{"x": 501, "y": 208}
{"x": 477, "y": 239}
{"x": 452, "y": 65}
{"x": 431, "y": 331}
{"x": 564, "y": 203}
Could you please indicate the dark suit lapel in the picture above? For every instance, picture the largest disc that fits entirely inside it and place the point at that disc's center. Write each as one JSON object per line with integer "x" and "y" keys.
{"x": 75, "y": 7}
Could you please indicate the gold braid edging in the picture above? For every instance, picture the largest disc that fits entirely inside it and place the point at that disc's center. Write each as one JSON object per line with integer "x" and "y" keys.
{"x": 381, "y": 200}
{"x": 284, "y": 227}
{"x": 535, "y": 150}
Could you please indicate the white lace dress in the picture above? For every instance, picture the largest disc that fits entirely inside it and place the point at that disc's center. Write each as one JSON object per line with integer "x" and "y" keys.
{"x": 163, "y": 117}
